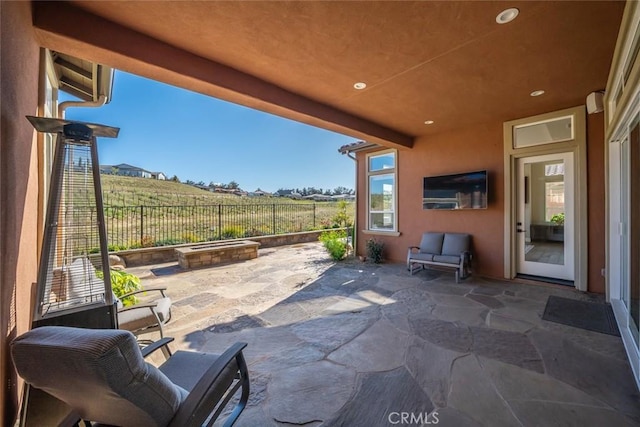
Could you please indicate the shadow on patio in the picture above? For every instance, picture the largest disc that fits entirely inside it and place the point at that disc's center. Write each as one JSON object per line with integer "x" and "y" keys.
{"x": 355, "y": 344}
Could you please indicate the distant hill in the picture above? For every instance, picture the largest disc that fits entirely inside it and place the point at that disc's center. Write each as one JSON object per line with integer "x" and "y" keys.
{"x": 131, "y": 191}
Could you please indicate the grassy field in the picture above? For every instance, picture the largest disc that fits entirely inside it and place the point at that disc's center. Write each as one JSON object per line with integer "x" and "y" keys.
{"x": 130, "y": 191}
{"x": 142, "y": 212}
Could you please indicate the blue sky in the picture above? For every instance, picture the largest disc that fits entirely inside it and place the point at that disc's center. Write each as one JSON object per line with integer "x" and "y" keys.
{"x": 196, "y": 137}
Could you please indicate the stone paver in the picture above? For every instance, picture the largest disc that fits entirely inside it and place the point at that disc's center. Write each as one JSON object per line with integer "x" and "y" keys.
{"x": 372, "y": 350}
{"x": 394, "y": 392}
{"x": 352, "y": 344}
{"x": 473, "y": 393}
{"x": 296, "y": 397}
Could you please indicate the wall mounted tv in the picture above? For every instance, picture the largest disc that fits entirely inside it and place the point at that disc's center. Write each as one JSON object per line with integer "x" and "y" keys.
{"x": 458, "y": 191}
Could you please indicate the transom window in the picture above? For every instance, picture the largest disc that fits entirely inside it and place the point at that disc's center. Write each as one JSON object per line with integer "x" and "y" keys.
{"x": 381, "y": 175}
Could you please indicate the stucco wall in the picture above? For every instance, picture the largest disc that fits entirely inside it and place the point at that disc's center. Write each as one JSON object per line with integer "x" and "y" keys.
{"x": 476, "y": 148}
{"x": 18, "y": 187}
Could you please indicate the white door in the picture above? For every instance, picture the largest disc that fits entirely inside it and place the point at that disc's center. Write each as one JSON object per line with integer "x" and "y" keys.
{"x": 545, "y": 216}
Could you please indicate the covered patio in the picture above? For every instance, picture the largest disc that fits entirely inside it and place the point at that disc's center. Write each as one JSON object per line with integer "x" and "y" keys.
{"x": 353, "y": 343}
{"x": 432, "y": 89}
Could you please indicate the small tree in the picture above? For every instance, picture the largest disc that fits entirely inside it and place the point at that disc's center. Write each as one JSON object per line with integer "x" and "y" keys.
{"x": 175, "y": 178}
{"x": 341, "y": 218}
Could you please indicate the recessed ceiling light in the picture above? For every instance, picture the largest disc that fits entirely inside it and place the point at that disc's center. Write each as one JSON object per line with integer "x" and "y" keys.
{"x": 360, "y": 85}
{"x": 428, "y": 122}
{"x": 507, "y": 15}
{"x": 537, "y": 93}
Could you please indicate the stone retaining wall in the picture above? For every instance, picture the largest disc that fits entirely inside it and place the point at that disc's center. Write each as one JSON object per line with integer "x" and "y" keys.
{"x": 162, "y": 254}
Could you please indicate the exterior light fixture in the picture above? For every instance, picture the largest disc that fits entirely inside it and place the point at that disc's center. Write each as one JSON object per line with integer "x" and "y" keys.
{"x": 537, "y": 93}
{"x": 507, "y": 15}
{"x": 428, "y": 122}
{"x": 359, "y": 85}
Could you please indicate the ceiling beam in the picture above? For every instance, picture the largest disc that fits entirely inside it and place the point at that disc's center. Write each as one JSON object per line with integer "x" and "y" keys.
{"x": 66, "y": 28}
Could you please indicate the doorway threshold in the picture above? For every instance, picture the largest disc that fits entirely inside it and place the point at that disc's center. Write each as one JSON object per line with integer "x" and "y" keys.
{"x": 551, "y": 280}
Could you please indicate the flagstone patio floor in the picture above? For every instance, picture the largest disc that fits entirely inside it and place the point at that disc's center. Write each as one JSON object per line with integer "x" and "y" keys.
{"x": 357, "y": 344}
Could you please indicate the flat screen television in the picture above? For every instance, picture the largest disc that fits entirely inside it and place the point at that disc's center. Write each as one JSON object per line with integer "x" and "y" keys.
{"x": 457, "y": 191}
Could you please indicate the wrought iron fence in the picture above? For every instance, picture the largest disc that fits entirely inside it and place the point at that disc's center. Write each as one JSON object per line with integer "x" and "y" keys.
{"x": 130, "y": 227}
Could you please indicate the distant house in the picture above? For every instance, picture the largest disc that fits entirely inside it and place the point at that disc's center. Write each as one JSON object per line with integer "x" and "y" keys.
{"x": 129, "y": 170}
{"x": 288, "y": 193}
{"x": 343, "y": 197}
{"x": 259, "y": 193}
{"x": 318, "y": 197}
{"x": 106, "y": 169}
{"x": 125, "y": 169}
{"x": 283, "y": 193}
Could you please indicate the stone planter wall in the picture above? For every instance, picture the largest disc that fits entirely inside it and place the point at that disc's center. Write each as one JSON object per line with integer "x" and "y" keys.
{"x": 216, "y": 253}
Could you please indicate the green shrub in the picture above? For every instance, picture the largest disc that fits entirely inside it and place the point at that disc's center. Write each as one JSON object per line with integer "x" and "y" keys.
{"x": 232, "y": 232}
{"x": 114, "y": 248}
{"x": 335, "y": 242}
{"x": 190, "y": 238}
{"x": 374, "y": 250}
{"x": 168, "y": 242}
{"x": 122, "y": 283}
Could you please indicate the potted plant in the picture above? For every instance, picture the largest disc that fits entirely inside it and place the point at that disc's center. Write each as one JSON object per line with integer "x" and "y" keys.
{"x": 374, "y": 250}
{"x": 558, "y": 219}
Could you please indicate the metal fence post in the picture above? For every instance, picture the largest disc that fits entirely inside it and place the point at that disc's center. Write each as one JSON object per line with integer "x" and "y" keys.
{"x": 274, "y": 218}
{"x": 141, "y": 224}
{"x": 219, "y": 222}
{"x": 314, "y": 215}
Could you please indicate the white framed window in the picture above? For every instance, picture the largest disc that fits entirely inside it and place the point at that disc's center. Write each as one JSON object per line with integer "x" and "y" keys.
{"x": 382, "y": 191}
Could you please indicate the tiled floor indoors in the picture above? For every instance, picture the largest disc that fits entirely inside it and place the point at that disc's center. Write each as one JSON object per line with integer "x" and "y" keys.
{"x": 356, "y": 344}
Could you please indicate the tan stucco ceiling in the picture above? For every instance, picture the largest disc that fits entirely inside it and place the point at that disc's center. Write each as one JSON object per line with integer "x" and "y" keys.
{"x": 444, "y": 61}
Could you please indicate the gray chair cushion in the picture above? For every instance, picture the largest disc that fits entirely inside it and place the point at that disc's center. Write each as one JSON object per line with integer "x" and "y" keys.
{"x": 431, "y": 243}
{"x": 455, "y": 244}
{"x": 138, "y": 318}
{"x": 448, "y": 259}
{"x": 72, "y": 363}
{"x": 421, "y": 257}
{"x": 186, "y": 368}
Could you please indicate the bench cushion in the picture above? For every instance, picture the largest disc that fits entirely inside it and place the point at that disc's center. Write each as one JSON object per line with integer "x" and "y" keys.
{"x": 421, "y": 257}
{"x": 431, "y": 243}
{"x": 455, "y": 244}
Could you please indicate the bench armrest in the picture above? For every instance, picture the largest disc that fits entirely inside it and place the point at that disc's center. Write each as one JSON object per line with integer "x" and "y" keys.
{"x": 160, "y": 289}
{"x": 151, "y": 306}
